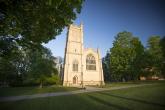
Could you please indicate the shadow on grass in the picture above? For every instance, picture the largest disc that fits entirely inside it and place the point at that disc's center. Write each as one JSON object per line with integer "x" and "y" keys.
{"x": 132, "y": 99}
{"x": 18, "y": 91}
{"x": 107, "y": 103}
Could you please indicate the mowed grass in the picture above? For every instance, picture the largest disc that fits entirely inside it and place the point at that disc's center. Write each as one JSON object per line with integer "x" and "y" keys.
{"x": 16, "y": 91}
{"x": 130, "y": 83}
{"x": 149, "y": 97}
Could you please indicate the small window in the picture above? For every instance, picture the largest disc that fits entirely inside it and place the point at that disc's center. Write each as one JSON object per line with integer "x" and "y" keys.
{"x": 75, "y": 65}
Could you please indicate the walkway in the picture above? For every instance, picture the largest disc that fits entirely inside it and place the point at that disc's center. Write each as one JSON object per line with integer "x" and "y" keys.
{"x": 87, "y": 90}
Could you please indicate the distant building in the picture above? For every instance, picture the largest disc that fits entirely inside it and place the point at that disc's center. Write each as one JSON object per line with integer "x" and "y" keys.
{"x": 59, "y": 65}
{"x": 82, "y": 66}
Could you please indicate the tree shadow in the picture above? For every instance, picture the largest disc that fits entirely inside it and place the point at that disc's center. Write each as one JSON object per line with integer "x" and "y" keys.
{"x": 132, "y": 99}
{"x": 107, "y": 103}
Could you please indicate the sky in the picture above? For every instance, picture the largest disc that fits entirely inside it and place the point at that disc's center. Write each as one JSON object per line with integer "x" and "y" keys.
{"x": 104, "y": 19}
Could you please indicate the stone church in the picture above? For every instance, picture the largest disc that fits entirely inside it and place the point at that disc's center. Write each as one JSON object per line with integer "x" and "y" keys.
{"x": 82, "y": 66}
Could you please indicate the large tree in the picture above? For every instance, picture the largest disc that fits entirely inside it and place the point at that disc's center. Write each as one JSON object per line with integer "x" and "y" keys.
{"x": 41, "y": 65}
{"x": 30, "y": 23}
{"x": 10, "y": 61}
{"x": 137, "y": 55}
{"x": 106, "y": 67}
{"x": 26, "y": 24}
{"x": 156, "y": 55}
{"x": 162, "y": 44}
{"x": 37, "y": 21}
{"x": 120, "y": 56}
{"x": 125, "y": 57}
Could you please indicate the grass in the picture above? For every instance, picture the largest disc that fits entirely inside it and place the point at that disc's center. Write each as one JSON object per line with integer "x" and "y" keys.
{"x": 118, "y": 84}
{"x": 149, "y": 97}
{"x": 16, "y": 91}
{"x": 130, "y": 83}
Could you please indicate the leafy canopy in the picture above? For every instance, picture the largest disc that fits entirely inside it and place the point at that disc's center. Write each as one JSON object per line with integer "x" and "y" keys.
{"x": 125, "y": 56}
{"x": 37, "y": 21}
{"x": 24, "y": 26}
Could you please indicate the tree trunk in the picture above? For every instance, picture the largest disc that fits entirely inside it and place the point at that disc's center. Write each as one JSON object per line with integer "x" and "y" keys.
{"x": 41, "y": 84}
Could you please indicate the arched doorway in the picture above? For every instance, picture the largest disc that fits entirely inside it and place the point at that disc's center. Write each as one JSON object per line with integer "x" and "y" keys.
{"x": 75, "y": 80}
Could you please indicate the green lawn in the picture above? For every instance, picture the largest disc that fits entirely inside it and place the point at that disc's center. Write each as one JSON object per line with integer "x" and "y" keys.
{"x": 117, "y": 84}
{"x": 151, "y": 97}
{"x": 15, "y": 91}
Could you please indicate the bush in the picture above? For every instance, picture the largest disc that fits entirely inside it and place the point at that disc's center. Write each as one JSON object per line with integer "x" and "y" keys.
{"x": 54, "y": 79}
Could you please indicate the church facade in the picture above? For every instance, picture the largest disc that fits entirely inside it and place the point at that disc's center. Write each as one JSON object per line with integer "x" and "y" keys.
{"x": 82, "y": 66}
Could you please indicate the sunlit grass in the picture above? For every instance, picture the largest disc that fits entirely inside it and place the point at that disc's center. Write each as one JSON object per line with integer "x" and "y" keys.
{"x": 130, "y": 83}
{"x": 150, "y": 97}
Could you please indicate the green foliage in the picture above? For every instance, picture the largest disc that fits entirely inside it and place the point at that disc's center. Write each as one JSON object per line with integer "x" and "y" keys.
{"x": 125, "y": 61}
{"x": 24, "y": 26}
{"x": 54, "y": 79}
{"x": 162, "y": 44}
{"x": 129, "y": 59}
{"x": 155, "y": 54}
{"x": 137, "y": 54}
{"x": 37, "y": 21}
{"x": 10, "y": 61}
{"x": 7, "y": 72}
{"x": 124, "y": 57}
{"x": 106, "y": 67}
{"x": 42, "y": 65}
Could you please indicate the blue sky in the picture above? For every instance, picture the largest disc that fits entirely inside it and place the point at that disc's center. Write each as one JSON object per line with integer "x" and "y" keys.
{"x": 103, "y": 19}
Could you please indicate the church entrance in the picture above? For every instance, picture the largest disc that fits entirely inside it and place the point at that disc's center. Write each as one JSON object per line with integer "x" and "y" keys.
{"x": 75, "y": 80}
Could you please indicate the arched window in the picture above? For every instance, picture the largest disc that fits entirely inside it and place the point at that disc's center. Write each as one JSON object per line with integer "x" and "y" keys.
{"x": 90, "y": 62}
{"x": 75, "y": 65}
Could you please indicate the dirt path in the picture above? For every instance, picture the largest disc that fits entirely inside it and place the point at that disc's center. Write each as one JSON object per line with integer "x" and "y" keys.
{"x": 87, "y": 90}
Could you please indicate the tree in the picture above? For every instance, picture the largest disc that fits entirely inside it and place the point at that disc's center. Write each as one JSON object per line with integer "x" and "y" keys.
{"x": 106, "y": 67}
{"x": 156, "y": 55}
{"x": 30, "y": 23}
{"x": 137, "y": 55}
{"x": 37, "y": 21}
{"x": 26, "y": 24}
{"x": 120, "y": 57}
{"x": 125, "y": 57}
{"x": 10, "y": 59}
{"x": 42, "y": 65}
{"x": 162, "y": 44}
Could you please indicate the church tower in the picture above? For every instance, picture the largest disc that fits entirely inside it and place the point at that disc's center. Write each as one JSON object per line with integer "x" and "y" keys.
{"x": 73, "y": 56}
{"x": 82, "y": 66}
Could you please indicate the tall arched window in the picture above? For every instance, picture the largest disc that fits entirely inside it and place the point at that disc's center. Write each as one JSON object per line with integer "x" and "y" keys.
{"x": 75, "y": 65}
{"x": 90, "y": 62}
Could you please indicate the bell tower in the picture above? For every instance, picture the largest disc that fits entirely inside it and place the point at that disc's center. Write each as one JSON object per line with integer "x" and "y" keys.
{"x": 73, "y": 56}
